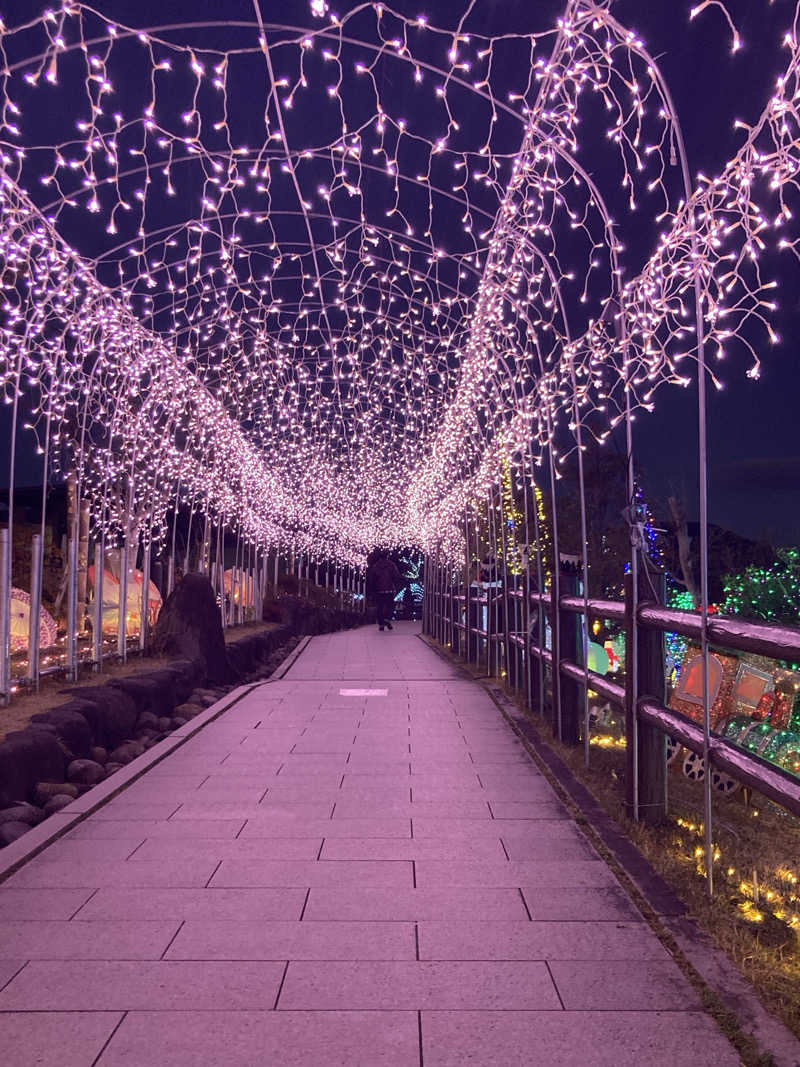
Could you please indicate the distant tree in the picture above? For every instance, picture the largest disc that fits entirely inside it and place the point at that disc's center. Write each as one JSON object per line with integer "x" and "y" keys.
{"x": 607, "y": 532}
{"x": 728, "y": 553}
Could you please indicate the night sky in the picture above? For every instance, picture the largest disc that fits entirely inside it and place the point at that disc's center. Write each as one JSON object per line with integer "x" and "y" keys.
{"x": 753, "y": 450}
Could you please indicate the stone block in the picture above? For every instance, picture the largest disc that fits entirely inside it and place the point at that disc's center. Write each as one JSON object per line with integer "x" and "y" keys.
{"x": 27, "y": 757}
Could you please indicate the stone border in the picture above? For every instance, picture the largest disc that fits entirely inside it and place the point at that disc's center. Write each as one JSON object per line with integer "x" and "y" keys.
{"x": 668, "y": 916}
{"x": 286, "y": 665}
{"x": 19, "y": 852}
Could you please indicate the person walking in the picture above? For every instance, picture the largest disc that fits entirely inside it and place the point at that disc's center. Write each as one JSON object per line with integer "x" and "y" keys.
{"x": 383, "y": 581}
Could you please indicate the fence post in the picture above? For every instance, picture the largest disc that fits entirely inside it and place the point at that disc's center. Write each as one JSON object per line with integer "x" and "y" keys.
{"x": 570, "y": 647}
{"x": 651, "y": 766}
{"x": 534, "y": 665}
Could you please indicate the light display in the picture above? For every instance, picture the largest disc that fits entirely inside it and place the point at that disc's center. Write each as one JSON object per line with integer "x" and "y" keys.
{"x": 236, "y": 276}
{"x": 771, "y": 593}
{"x": 514, "y": 520}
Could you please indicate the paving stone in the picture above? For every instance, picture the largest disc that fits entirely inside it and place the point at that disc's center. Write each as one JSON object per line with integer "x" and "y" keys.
{"x": 587, "y": 905}
{"x": 139, "y": 830}
{"x": 119, "y": 808}
{"x": 71, "y": 849}
{"x": 52, "y": 940}
{"x": 189, "y": 767}
{"x": 538, "y": 830}
{"x": 569, "y": 846}
{"x": 9, "y": 966}
{"x": 198, "y": 809}
{"x": 630, "y": 986}
{"x": 417, "y": 985}
{"x": 17, "y": 904}
{"x": 78, "y": 873}
{"x": 52, "y": 1038}
{"x": 538, "y": 941}
{"x": 291, "y": 1039}
{"x": 195, "y": 904}
{"x": 531, "y": 792}
{"x": 442, "y": 792}
{"x": 280, "y": 825}
{"x": 426, "y": 826}
{"x": 411, "y": 904}
{"x": 520, "y": 809}
{"x": 563, "y": 1039}
{"x": 370, "y": 848}
{"x": 455, "y": 809}
{"x": 290, "y": 775}
{"x": 520, "y": 873}
{"x": 157, "y": 791}
{"x": 258, "y": 940}
{"x": 399, "y": 793}
{"x": 362, "y": 874}
{"x": 252, "y": 850}
{"x": 122, "y": 985}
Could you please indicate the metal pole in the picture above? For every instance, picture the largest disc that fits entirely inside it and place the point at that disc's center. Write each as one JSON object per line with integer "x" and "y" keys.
{"x": 144, "y": 620}
{"x": 555, "y": 674}
{"x": 540, "y": 575}
{"x": 440, "y": 618}
{"x": 34, "y": 627}
{"x": 232, "y": 602}
{"x": 219, "y": 555}
{"x": 584, "y": 564}
{"x": 525, "y": 613}
{"x": 223, "y": 609}
{"x": 205, "y": 555}
{"x": 506, "y": 642}
{"x": 467, "y": 588}
{"x": 122, "y": 634}
{"x": 5, "y": 616}
{"x": 72, "y": 609}
{"x": 187, "y": 557}
{"x": 492, "y": 553}
{"x": 425, "y": 594}
{"x": 258, "y": 592}
{"x": 437, "y": 604}
{"x": 240, "y": 574}
{"x": 97, "y": 635}
{"x": 171, "y": 559}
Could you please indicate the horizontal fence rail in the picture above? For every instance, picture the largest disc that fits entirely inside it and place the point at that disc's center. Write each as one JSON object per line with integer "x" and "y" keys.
{"x": 474, "y": 626}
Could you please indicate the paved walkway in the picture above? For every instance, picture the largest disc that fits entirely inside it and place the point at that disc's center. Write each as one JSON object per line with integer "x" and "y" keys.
{"x": 355, "y": 865}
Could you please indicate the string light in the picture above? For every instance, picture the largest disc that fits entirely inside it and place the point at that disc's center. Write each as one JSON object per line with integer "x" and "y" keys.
{"x": 337, "y": 333}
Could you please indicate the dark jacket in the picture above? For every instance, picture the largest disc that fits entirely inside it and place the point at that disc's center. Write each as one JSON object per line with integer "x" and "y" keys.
{"x": 383, "y": 577}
